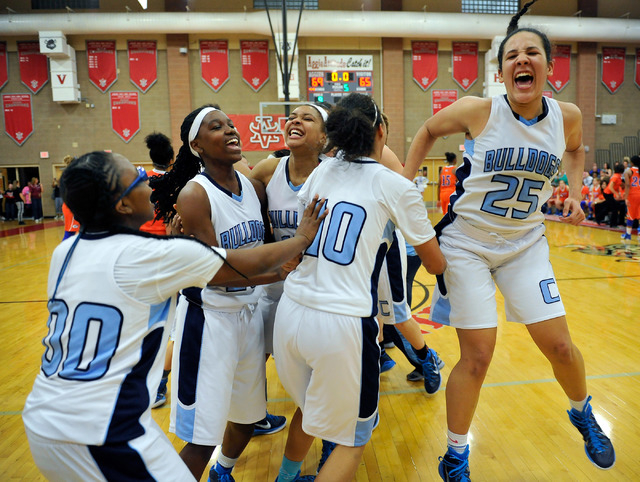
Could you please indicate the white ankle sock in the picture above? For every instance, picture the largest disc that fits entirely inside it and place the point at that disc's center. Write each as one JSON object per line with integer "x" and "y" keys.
{"x": 456, "y": 441}
{"x": 579, "y": 406}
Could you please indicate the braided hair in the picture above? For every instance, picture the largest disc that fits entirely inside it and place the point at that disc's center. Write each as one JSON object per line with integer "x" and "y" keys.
{"x": 88, "y": 186}
{"x": 352, "y": 125}
{"x": 160, "y": 150}
{"x": 513, "y": 29}
{"x": 167, "y": 187}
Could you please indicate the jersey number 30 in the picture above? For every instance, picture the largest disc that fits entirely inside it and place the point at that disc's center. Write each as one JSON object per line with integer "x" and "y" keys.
{"x": 93, "y": 338}
{"x": 512, "y": 190}
{"x": 345, "y": 226}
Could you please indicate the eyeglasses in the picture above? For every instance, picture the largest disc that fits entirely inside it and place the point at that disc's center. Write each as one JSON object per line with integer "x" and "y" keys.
{"x": 142, "y": 176}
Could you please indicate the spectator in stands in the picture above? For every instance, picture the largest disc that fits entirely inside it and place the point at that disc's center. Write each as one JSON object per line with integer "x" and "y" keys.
{"x": 595, "y": 171}
{"x": 614, "y": 194}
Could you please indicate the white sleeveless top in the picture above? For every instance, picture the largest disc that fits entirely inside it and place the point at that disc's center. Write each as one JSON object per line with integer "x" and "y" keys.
{"x": 238, "y": 224}
{"x": 504, "y": 179}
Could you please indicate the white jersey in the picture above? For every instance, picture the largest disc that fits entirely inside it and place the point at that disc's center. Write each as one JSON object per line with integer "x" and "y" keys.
{"x": 504, "y": 179}
{"x": 283, "y": 201}
{"x": 238, "y": 223}
{"x": 339, "y": 271}
{"x": 105, "y": 347}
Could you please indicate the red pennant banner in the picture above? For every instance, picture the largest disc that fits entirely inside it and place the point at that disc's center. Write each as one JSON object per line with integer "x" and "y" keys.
{"x": 613, "y": 67}
{"x": 442, "y": 98}
{"x": 637, "y": 81}
{"x": 465, "y": 63}
{"x": 424, "y": 56}
{"x": 255, "y": 62}
{"x": 214, "y": 63}
{"x": 125, "y": 114}
{"x": 18, "y": 116}
{"x": 101, "y": 57}
{"x": 34, "y": 70}
{"x": 4, "y": 65}
{"x": 561, "y": 67}
{"x": 143, "y": 63}
{"x": 260, "y": 134}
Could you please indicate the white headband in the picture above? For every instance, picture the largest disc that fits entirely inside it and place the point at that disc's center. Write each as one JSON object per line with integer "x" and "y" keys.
{"x": 323, "y": 113}
{"x": 195, "y": 127}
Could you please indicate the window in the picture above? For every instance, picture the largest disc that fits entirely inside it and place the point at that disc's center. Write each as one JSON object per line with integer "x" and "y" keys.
{"x": 290, "y": 4}
{"x": 490, "y": 6}
{"x": 61, "y": 4}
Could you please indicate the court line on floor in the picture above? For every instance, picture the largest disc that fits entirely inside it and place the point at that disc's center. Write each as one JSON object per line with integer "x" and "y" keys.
{"x": 421, "y": 389}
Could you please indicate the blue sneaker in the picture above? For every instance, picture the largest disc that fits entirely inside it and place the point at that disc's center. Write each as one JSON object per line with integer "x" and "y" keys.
{"x": 597, "y": 445}
{"x": 327, "y": 448}
{"x": 386, "y": 363}
{"x": 454, "y": 467}
{"x": 626, "y": 237}
{"x": 416, "y": 375}
{"x": 216, "y": 477}
{"x": 269, "y": 424}
{"x": 302, "y": 478}
{"x": 161, "y": 396}
{"x": 431, "y": 372}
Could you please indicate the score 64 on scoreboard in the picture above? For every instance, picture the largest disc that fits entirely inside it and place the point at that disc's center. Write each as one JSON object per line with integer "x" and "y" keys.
{"x": 330, "y": 77}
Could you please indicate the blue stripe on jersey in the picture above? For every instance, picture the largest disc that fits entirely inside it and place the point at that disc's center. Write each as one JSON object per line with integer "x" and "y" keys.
{"x": 411, "y": 251}
{"x": 159, "y": 313}
{"x": 469, "y": 148}
{"x": 133, "y": 398}
{"x": 120, "y": 462}
{"x": 190, "y": 352}
{"x": 370, "y": 381}
{"x": 375, "y": 278}
{"x": 394, "y": 269}
{"x": 535, "y": 120}
{"x": 389, "y": 232}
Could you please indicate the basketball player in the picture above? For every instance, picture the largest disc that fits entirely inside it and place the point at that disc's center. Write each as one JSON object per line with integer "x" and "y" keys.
{"x": 111, "y": 293}
{"x": 632, "y": 195}
{"x": 447, "y": 184}
{"x": 493, "y": 233}
{"x": 218, "y": 362}
{"x": 325, "y": 337}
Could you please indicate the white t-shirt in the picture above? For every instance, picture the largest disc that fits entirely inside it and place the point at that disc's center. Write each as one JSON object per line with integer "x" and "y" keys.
{"x": 109, "y": 313}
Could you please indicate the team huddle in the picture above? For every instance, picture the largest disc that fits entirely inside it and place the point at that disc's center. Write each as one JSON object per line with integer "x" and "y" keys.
{"x": 287, "y": 261}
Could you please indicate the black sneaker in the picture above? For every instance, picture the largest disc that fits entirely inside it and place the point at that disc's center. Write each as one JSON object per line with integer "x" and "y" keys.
{"x": 454, "y": 467}
{"x": 597, "y": 445}
{"x": 431, "y": 373}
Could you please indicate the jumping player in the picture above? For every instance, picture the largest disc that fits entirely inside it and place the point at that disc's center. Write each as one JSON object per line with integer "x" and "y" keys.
{"x": 325, "y": 337}
{"x": 447, "y": 185}
{"x": 493, "y": 235}
{"x": 632, "y": 196}
{"x": 111, "y": 294}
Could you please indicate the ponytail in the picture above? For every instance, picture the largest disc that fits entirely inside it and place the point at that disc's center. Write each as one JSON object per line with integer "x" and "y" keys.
{"x": 513, "y": 28}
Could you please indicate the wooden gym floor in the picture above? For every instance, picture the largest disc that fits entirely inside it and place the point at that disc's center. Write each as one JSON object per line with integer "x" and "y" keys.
{"x": 520, "y": 432}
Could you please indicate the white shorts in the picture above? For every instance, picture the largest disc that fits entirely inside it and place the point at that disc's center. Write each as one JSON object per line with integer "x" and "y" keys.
{"x": 478, "y": 261}
{"x": 329, "y": 364}
{"x": 268, "y": 303}
{"x": 219, "y": 371}
{"x": 392, "y": 293}
{"x": 148, "y": 457}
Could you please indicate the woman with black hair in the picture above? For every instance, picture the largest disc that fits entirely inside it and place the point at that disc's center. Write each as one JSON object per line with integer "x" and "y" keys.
{"x": 111, "y": 294}
{"x": 493, "y": 235}
{"x": 218, "y": 362}
{"x": 325, "y": 338}
{"x": 161, "y": 155}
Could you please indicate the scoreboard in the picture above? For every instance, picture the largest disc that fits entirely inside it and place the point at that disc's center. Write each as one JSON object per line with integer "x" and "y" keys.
{"x": 329, "y": 79}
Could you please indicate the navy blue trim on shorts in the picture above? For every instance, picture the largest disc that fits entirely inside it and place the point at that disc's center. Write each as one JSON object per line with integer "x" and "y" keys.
{"x": 190, "y": 353}
{"x": 133, "y": 398}
{"x": 370, "y": 382}
{"x": 394, "y": 270}
{"x": 119, "y": 462}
